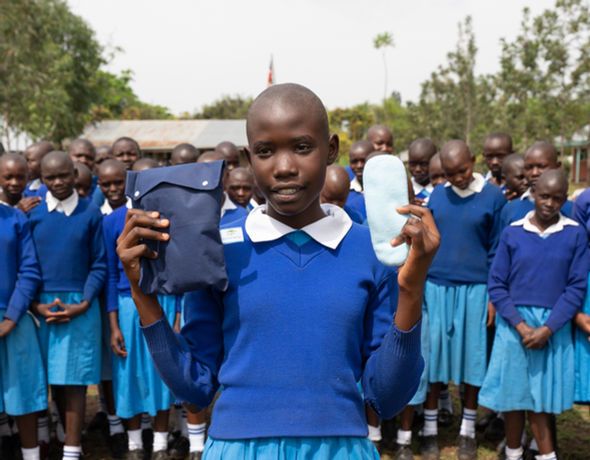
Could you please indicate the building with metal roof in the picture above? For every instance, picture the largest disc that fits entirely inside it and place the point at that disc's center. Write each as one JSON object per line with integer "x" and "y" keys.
{"x": 157, "y": 138}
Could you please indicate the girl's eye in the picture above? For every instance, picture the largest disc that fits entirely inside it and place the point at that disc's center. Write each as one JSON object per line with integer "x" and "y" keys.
{"x": 302, "y": 148}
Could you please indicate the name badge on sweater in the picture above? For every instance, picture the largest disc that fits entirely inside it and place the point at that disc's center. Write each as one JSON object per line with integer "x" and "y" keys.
{"x": 231, "y": 235}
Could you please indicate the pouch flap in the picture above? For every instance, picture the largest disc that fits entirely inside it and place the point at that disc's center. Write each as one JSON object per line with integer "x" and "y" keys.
{"x": 196, "y": 176}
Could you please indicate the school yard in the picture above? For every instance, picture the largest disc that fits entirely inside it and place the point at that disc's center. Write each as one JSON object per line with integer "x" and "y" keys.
{"x": 573, "y": 435}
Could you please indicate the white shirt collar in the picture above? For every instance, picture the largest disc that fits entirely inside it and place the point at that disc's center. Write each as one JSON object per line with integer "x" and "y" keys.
{"x": 419, "y": 187}
{"x": 227, "y": 205}
{"x": 329, "y": 231}
{"x": 526, "y": 223}
{"x": 106, "y": 208}
{"x": 475, "y": 186}
{"x": 356, "y": 185}
{"x": 528, "y": 194}
{"x": 66, "y": 206}
{"x": 35, "y": 184}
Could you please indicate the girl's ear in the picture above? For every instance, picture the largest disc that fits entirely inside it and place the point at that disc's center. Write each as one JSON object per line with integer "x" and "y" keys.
{"x": 333, "y": 148}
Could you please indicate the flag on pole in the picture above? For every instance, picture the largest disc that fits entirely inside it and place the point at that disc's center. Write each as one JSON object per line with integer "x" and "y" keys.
{"x": 271, "y": 73}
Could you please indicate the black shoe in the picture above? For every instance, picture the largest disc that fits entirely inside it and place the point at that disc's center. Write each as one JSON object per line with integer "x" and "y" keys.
{"x": 429, "y": 448}
{"x": 467, "y": 448}
{"x": 495, "y": 430}
{"x": 179, "y": 448}
{"x": 388, "y": 434}
{"x": 195, "y": 456}
{"x": 445, "y": 418}
{"x": 160, "y": 455}
{"x": 100, "y": 422}
{"x": 118, "y": 444}
{"x": 147, "y": 438}
{"x": 136, "y": 454}
{"x": 483, "y": 422}
{"x": 403, "y": 453}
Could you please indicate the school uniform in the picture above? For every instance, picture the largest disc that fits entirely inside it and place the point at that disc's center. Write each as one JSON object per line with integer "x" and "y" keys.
{"x": 303, "y": 319}
{"x": 539, "y": 277}
{"x": 356, "y": 199}
{"x": 23, "y": 387}
{"x": 421, "y": 192}
{"x": 35, "y": 188}
{"x": 69, "y": 244}
{"x": 231, "y": 211}
{"x": 581, "y": 214}
{"x": 518, "y": 208}
{"x": 136, "y": 384}
{"x": 490, "y": 179}
{"x": 455, "y": 294}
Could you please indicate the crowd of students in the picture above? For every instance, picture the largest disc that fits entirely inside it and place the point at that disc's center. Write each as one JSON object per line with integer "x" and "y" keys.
{"x": 310, "y": 316}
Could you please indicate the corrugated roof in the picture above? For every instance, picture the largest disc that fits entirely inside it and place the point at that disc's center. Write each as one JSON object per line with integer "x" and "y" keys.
{"x": 166, "y": 134}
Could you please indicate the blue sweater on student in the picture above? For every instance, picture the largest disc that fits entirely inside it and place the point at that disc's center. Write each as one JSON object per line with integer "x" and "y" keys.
{"x": 20, "y": 275}
{"x": 70, "y": 249}
{"x": 550, "y": 272}
{"x": 356, "y": 201}
{"x": 296, "y": 329}
{"x": 470, "y": 230}
{"x": 232, "y": 215}
{"x": 581, "y": 212}
{"x": 518, "y": 208}
{"x": 117, "y": 283}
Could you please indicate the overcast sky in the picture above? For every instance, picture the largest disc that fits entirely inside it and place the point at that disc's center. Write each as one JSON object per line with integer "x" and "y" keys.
{"x": 188, "y": 53}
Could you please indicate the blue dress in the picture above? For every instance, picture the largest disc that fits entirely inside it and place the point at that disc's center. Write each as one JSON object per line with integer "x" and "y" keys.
{"x": 582, "y": 359}
{"x": 532, "y": 380}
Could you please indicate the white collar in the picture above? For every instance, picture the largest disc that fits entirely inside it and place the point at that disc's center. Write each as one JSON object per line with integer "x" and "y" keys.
{"x": 475, "y": 186}
{"x": 227, "y": 205}
{"x": 419, "y": 187}
{"x": 35, "y": 184}
{"x": 526, "y": 224}
{"x": 528, "y": 194}
{"x": 356, "y": 185}
{"x": 253, "y": 202}
{"x": 106, "y": 208}
{"x": 66, "y": 206}
{"x": 329, "y": 231}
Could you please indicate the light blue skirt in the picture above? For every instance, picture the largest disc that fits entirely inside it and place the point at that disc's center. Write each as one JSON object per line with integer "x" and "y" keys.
{"x": 533, "y": 380}
{"x": 420, "y": 395}
{"x": 582, "y": 359}
{"x": 330, "y": 448}
{"x": 23, "y": 382}
{"x": 137, "y": 386}
{"x": 72, "y": 350}
{"x": 457, "y": 318}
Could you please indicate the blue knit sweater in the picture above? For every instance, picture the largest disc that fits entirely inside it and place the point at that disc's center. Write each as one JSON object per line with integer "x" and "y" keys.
{"x": 517, "y": 209}
{"x": 20, "y": 275}
{"x": 296, "y": 329}
{"x": 70, "y": 249}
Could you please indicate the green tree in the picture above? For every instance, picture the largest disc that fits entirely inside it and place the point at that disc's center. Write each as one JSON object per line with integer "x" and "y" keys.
{"x": 48, "y": 57}
{"x": 226, "y": 108}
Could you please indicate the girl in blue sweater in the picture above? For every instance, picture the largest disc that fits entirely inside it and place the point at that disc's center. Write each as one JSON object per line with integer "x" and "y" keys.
{"x": 537, "y": 283}
{"x": 308, "y": 312}
{"x": 67, "y": 232}
{"x": 23, "y": 388}
{"x": 466, "y": 210}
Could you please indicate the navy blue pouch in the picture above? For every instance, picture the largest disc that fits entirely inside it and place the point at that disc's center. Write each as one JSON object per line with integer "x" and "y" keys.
{"x": 190, "y": 196}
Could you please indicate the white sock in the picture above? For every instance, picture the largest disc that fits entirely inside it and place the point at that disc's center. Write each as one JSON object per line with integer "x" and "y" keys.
{"x": 374, "y": 433}
{"x": 135, "y": 441}
{"x": 533, "y": 445}
{"x": 146, "y": 421}
{"x": 102, "y": 406}
{"x": 60, "y": 433}
{"x": 4, "y": 426}
{"x": 43, "y": 429}
{"x": 31, "y": 454}
{"x": 160, "y": 441}
{"x": 468, "y": 423}
{"x": 430, "y": 422}
{"x": 72, "y": 452}
{"x": 184, "y": 424}
{"x": 549, "y": 456}
{"x": 115, "y": 425}
{"x": 196, "y": 436}
{"x": 514, "y": 454}
{"x": 444, "y": 401}
{"x": 404, "y": 438}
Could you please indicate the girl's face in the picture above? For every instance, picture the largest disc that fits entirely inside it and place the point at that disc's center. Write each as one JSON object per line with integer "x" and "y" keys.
{"x": 549, "y": 198}
{"x": 289, "y": 154}
{"x": 459, "y": 170}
